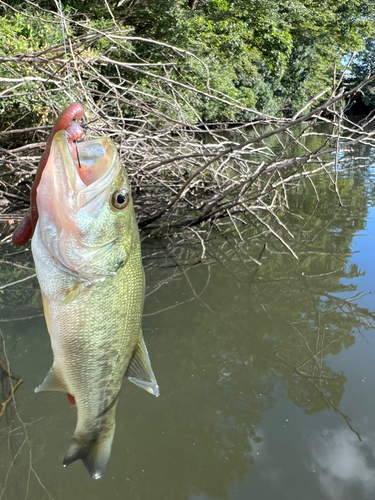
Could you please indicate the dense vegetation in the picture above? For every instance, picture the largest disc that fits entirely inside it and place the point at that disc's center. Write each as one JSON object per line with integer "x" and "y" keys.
{"x": 267, "y": 55}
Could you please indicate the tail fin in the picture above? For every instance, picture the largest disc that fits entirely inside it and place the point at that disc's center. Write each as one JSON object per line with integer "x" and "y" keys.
{"x": 93, "y": 451}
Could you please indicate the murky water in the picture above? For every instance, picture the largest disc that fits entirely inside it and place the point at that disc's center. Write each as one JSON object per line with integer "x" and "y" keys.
{"x": 267, "y": 372}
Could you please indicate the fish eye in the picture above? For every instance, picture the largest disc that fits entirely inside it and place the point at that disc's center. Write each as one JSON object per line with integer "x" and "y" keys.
{"x": 120, "y": 199}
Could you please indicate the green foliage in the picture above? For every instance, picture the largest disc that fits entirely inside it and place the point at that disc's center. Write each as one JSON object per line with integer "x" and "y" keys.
{"x": 272, "y": 56}
{"x": 18, "y": 35}
{"x": 276, "y": 55}
{"x": 28, "y": 31}
{"x": 362, "y": 66}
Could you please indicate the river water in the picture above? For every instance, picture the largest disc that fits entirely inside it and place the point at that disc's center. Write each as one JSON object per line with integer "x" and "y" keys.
{"x": 266, "y": 372}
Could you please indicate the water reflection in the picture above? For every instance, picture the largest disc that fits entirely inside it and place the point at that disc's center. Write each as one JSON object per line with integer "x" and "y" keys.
{"x": 344, "y": 465}
{"x": 229, "y": 340}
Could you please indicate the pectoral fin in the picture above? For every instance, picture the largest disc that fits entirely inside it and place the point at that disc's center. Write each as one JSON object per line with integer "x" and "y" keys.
{"x": 139, "y": 370}
{"x": 52, "y": 382}
{"x": 72, "y": 295}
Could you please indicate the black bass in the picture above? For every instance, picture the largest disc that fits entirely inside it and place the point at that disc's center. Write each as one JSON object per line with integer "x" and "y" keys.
{"x": 87, "y": 254}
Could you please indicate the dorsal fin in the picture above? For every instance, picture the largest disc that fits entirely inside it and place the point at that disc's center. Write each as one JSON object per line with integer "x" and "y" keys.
{"x": 139, "y": 370}
{"x": 53, "y": 382}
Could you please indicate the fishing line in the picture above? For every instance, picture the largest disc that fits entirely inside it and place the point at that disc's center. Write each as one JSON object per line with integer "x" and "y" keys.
{"x": 64, "y": 30}
{"x": 79, "y": 163}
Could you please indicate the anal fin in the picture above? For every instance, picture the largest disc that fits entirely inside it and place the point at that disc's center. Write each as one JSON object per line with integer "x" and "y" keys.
{"x": 52, "y": 382}
{"x": 139, "y": 370}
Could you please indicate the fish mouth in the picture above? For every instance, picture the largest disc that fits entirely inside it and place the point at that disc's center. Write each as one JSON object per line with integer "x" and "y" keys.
{"x": 85, "y": 164}
{"x": 76, "y": 182}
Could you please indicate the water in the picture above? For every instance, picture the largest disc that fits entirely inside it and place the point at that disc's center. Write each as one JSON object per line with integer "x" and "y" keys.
{"x": 267, "y": 373}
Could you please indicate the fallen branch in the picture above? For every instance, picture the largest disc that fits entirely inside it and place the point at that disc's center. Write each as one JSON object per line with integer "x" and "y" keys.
{"x": 184, "y": 172}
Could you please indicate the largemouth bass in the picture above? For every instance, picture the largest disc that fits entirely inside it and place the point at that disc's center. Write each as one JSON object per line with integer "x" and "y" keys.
{"x": 87, "y": 254}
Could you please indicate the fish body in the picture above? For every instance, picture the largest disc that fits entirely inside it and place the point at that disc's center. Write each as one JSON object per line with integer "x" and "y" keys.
{"x": 87, "y": 254}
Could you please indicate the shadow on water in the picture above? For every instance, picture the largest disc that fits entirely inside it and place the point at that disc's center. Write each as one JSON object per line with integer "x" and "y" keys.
{"x": 230, "y": 341}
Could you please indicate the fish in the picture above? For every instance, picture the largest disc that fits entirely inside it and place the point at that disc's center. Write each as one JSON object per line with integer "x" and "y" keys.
{"x": 87, "y": 253}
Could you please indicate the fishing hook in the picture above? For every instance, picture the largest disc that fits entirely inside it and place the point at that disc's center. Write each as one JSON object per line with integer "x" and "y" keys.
{"x": 79, "y": 163}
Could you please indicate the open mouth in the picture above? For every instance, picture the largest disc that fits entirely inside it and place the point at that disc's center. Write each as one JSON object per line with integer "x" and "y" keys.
{"x": 91, "y": 160}
{"x": 86, "y": 162}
